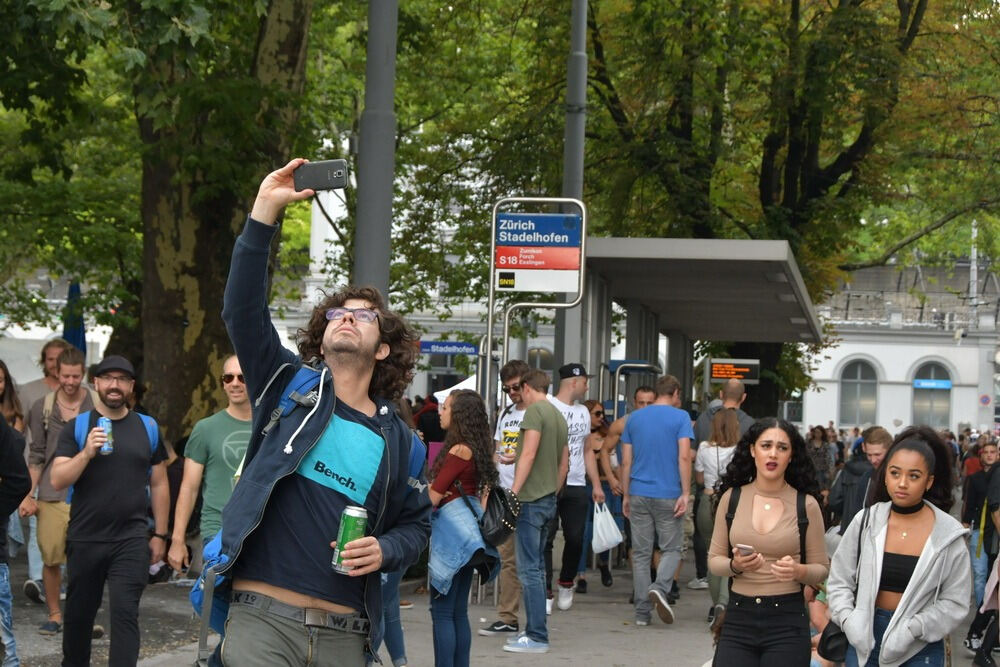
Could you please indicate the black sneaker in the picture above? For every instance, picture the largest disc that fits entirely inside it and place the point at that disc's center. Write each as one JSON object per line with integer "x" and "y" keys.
{"x": 581, "y": 585}
{"x": 33, "y": 591}
{"x": 606, "y": 579}
{"x": 499, "y": 628}
{"x": 674, "y": 595}
{"x": 711, "y": 615}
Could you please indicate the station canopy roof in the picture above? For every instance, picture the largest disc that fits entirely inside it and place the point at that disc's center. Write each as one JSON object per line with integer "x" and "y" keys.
{"x": 708, "y": 289}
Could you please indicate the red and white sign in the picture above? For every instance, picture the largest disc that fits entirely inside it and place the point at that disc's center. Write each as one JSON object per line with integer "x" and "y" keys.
{"x": 537, "y": 257}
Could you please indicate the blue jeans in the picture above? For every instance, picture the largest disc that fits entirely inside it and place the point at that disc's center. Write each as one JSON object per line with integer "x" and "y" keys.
{"x": 979, "y": 567}
{"x": 932, "y": 654}
{"x": 652, "y": 521}
{"x": 450, "y": 617}
{"x": 7, "y": 620}
{"x": 15, "y": 538}
{"x": 392, "y": 628}
{"x": 531, "y": 535}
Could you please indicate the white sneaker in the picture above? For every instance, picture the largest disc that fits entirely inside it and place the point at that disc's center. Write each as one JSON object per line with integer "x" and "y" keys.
{"x": 698, "y": 584}
{"x": 642, "y": 621}
{"x": 565, "y": 600}
{"x": 548, "y": 606}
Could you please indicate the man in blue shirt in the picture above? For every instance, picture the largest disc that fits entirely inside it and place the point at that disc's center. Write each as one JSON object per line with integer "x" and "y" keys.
{"x": 656, "y": 476}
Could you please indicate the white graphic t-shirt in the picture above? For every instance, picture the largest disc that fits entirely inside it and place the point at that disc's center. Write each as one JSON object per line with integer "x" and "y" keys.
{"x": 508, "y": 428}
{"x": 578, "y": 424}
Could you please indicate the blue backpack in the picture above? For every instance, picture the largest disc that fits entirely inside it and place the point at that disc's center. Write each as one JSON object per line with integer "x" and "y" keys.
{"x": 82, "y": 425}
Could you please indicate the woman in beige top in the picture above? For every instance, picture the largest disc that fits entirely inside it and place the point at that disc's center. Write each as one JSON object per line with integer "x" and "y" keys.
{"x": 766, "y": 622}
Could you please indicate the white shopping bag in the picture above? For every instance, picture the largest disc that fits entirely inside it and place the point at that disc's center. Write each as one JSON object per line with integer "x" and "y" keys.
{"x": 606, "y": 533}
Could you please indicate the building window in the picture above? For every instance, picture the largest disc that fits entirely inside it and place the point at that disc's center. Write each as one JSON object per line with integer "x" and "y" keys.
{"x": 932, "y": 396}
{"x": 858, "y": 391}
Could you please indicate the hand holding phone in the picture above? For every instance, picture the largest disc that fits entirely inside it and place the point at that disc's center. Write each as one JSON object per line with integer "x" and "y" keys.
{"x": 324, "y": 175}
{"x": 745, "y": 549}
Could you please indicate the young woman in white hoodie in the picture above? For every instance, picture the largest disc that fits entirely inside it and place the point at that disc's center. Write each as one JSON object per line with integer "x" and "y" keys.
{"x": 911, "y": 583}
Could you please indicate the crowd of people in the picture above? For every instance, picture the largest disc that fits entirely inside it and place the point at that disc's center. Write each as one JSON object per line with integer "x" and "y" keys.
{"x": 824, "y": 548}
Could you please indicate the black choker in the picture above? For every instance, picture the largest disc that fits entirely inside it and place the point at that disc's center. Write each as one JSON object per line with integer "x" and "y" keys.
{"x": 912, "y": 509}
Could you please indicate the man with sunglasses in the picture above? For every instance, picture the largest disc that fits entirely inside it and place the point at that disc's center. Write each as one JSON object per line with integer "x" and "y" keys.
{"x": 211, "y": 458}
{"x": 313, "y": 453}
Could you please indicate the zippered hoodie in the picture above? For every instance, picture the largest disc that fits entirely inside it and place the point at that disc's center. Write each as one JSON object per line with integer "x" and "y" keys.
{"x": 402, "y": 522}
{"x": 934, "y": 603}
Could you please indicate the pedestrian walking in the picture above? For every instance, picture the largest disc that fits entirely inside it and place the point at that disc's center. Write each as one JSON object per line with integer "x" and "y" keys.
{"x": 768, "y": 536}
{"x": 14, "y": 486}
{"x": 463, "y": 471}
{"x": 909, "y": 585}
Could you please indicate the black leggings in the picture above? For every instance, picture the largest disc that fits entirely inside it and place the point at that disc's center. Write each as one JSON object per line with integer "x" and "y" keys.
{"x": 766, "y": 631}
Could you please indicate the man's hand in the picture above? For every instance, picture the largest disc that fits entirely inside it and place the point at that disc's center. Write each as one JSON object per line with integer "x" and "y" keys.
{"x": 598, "y": 495}
{"x": 95, "y": 440}
{"x": 681, "y": 505}
{"x": 626, "y": 510}
{"x": 178, "y": 555}
{"x": 157, "y": 549}
{"x": 615, "y": 485}
{"x": 276, "y": 191}
{"x": 364, "y": 555}
{"x": 28, "y": 507}
{"x": 503, "y": 458}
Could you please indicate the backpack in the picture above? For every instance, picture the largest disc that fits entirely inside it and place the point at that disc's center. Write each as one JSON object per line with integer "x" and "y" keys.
{"x": 82, "y": 426}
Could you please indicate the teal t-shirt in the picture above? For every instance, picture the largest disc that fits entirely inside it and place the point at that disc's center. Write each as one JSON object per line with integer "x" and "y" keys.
{"x": 218, "y": 443}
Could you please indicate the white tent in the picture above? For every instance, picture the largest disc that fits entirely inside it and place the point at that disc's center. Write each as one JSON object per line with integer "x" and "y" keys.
{"x": 467, "y": 383}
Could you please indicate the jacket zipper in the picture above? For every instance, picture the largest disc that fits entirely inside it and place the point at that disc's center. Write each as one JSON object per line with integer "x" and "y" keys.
{"x": 378, "y": 521}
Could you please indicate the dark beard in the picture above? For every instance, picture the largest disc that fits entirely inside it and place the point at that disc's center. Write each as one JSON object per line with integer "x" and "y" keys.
{"x": 114, "y": 406}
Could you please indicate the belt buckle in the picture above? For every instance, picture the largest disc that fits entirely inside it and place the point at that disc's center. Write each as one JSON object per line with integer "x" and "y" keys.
{"x": 314, "y": 617}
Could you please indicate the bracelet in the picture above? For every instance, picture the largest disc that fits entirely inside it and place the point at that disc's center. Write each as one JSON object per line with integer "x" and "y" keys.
{"x": 165, "y": 537}
{"x": 733, "y": 569}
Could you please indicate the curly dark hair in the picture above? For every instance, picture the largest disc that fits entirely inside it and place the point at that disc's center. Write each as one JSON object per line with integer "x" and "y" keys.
{"x": 10, "y": 405}
{"x": 391, "y": 375}
{"x": 925, "y": 441}
{"x": 742, "y": 469}
{"x": 470, "y": 426}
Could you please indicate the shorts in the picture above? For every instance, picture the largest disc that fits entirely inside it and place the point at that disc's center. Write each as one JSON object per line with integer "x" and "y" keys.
{"x": 53, "y": 520}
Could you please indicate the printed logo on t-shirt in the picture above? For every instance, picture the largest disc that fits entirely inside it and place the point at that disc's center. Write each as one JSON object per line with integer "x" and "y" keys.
{"x": 234, "y": 447}
{"x": 346, "y": 459}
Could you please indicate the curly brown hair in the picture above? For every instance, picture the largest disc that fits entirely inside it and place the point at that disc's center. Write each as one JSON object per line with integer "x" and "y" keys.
{"x": 391, "y": 375}
{"x": 470, "y": 426}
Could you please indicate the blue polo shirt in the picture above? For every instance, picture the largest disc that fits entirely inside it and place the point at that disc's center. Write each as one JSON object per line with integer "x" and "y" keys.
{"x": 653, "y": 433}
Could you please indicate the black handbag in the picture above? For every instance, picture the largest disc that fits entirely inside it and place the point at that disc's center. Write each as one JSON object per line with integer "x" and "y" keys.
{"x": 833, "y": 642}
{"x": 499, "y": 517}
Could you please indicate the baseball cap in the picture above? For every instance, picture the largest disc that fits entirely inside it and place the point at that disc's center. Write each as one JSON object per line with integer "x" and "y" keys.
{"x": 573, "y": 371}
{"x": 115, "y": 363}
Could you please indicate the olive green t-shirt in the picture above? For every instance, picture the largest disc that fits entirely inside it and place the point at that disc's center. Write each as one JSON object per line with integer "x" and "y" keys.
{"x": 218, "y": 443}
{"x": 545, "y": 418}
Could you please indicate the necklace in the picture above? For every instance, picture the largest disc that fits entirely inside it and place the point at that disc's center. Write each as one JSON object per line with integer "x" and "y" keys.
{"x": 912, "y": 509}
{"x": 767, "y": 505}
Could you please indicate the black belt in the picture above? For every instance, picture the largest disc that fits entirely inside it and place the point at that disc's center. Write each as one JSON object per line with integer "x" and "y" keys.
{"x": 305, "y": 615}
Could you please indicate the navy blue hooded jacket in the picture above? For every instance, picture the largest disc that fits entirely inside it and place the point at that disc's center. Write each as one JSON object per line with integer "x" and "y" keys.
{"x": 402, "y": 523}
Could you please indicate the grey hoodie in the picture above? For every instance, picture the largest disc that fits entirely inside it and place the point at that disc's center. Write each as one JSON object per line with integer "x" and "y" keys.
{"x": 934, "y": 603}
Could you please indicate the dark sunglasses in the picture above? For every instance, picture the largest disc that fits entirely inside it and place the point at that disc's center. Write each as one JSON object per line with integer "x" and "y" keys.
{"x": 507, "y": 388}
{"x": 598, "y": 413}
{"x": 229, "y": 377}
{"x": 360, "y": 314}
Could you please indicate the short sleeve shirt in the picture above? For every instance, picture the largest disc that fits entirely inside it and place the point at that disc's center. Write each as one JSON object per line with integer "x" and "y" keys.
{"x": 507, "y": 434}
{"x": 543, "y": 417}
{"x": 109, "y": 498}
{"x": 218, "y": 443}
{"x": 578, "y": 427}
{"x": 653, "y": 433}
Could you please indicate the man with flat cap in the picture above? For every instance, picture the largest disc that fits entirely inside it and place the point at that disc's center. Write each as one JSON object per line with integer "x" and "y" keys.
{"x": 107, "y": 540}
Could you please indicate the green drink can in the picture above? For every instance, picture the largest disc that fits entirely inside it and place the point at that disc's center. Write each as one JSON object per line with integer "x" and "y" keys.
{"x": 353, "y": 522}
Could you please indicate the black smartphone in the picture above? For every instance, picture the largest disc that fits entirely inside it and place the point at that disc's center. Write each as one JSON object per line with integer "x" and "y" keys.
{"x": 324, "y": 175}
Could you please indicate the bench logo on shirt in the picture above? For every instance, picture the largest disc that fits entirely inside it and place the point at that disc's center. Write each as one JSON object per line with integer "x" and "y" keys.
{"x": 346, "y": 459}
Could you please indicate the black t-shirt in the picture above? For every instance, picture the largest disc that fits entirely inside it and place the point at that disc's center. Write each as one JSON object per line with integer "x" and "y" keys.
{"x": 110, "y": 499}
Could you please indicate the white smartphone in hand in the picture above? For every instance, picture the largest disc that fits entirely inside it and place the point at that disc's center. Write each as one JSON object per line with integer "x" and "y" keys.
{"x": 745, "y": 549}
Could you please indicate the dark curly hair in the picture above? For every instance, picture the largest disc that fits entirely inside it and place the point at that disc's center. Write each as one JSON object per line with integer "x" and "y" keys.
{"x": 470, "y": 426}
{"x": 391, "y": 375}
{"x": 742, "y": 470}
{"x": 925, "y": 441}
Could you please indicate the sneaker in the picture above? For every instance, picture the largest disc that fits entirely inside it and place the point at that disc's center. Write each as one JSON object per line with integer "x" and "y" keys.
{"x": 548, "y": 606}
{"x": 49, "y": 627}
{"x": 663, "y": 609}
{"x": 972, "y": 643}
{"x": 526, "y": 644}
{"x": 606, "y": 578}
{"x": 405, "y": 604}
{"x": 698, "y": 583}
{"x": 565, "y": 598}
{"x": 711, "y": 614}
{"x": 642, "y": 621}
{"x": 97, "y": 632}
{"x": 581, "y": 586}
{"x": 34, "y": 591}
{"x": 498, "y": 628}
{"x": 675, "y": 593}
{"x": 513, "y": 639}
{"x": 718, "y": 618}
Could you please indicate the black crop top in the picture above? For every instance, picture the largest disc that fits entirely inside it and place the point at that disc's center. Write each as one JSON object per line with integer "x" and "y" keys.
{"x": 896, "y": 572}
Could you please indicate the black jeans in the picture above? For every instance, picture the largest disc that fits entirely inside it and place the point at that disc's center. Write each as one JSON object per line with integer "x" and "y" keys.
{"x": 571, "y": 510}
{"x": 699, "y": 541}
{"x": 766, "y": 631}
{"x": 124, "y": 566}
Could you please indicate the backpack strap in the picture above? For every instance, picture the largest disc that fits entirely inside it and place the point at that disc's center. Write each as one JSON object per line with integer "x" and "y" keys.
{"x": 803, "y": 520}
{"x": 80, "y": 427}
{"x": 48, "y": 404}
{"x": 734, "y": 502}
{"x": 152, "y": 431}
{"x": 300, "y": 391}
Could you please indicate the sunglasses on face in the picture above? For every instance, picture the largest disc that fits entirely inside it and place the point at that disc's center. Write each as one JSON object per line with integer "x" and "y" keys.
{"x": 366, "y": 315}
{"x": 598, "y": 413}
{"x": 229, "y": 377}
{"x": 507, "y": 388}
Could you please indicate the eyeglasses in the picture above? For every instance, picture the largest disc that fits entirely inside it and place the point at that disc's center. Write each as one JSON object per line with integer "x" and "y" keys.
{"x": 115, "y": 379}
{"x": 229, "y": 377}
{"x": 366, "y": 315}
{"x": 507, "y": 388}
{"x": 598, "y": 413}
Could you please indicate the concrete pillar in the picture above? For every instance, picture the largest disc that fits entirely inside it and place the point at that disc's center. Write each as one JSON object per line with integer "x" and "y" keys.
{"x": 680, "y": 361}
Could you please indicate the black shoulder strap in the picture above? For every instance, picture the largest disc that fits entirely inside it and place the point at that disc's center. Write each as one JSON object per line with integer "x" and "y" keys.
{"x": 800, "y": 511}
{"x": 734, "y": 501}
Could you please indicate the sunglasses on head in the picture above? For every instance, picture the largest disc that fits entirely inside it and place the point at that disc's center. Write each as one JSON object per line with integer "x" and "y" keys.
{"x": 360, "y": 314}
{"x": 507, "y": 388}
{"x": 229, "y": 377}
